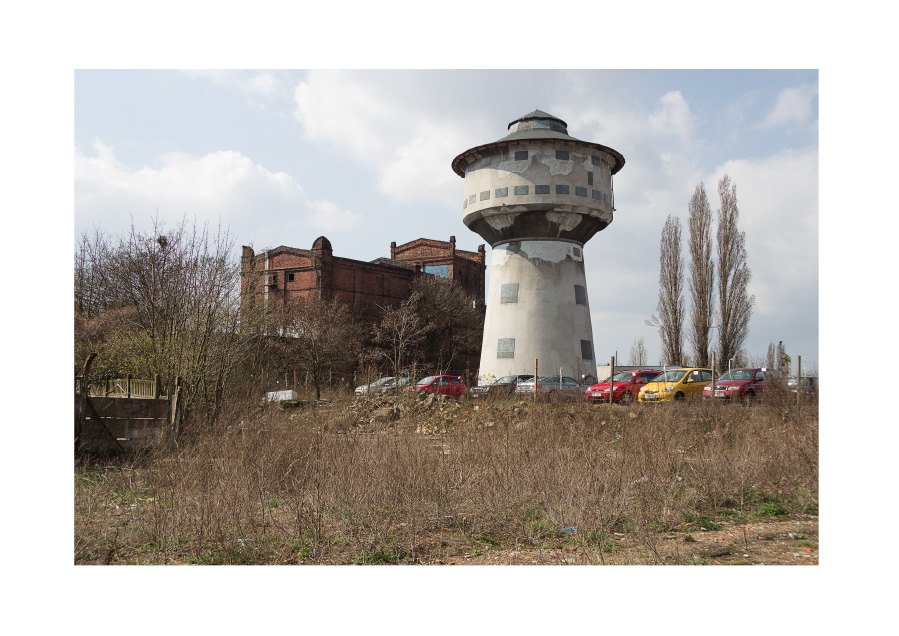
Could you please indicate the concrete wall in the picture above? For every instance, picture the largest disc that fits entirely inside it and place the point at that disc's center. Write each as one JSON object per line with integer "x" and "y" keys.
{"x": 548, "y": 319}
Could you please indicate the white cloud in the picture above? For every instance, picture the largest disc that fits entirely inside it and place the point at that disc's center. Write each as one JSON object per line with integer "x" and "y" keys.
{"x": 793, "y": 107}
{"x": 223, "y": 186}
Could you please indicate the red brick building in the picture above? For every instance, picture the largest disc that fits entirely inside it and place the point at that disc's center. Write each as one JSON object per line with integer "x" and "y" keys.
{"x": 284, "y": 273}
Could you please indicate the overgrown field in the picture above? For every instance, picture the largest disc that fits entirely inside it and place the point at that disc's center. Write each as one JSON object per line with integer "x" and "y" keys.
{"x": 431, "y": 481}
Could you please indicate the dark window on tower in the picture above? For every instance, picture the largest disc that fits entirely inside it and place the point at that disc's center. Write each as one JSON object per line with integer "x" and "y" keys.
{"x": 521, "y": 189}
{"x": 521, "y": 155}
{"x": 579, "y": 191}
{"x": 596, "y": 161}
{"x": 485, "y": 195}
{"x": 509, "y": 293}
{"x": 290, "y": 277}
{"x": 486, "y": 161}
{"x": 597, "y": 195}
{"x": 505, "y": 348}
{"x": 580, "y": 295}
{"x": 472, "y": 199}
{"x": 586, "y": 350}
{"x": 562, "y": 154}
{"x": 542, "y": 189}
{"x": 501, "y": 192}
{"x": 590, "y": 178}
{"x": 562, "y": 189}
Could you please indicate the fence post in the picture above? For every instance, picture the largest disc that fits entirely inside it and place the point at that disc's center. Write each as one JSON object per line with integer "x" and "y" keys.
{"x": 612, "y": 382}
{"x": 156, "y": 386}
{"x": 535, "y": 380}
{"x": 128, "y": 384}
{"x": 798, "y": 385}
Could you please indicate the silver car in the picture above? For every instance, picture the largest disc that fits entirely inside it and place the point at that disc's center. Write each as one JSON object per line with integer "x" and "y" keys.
{"x": 551, "y": 387}
{"x": 381, "y": 385}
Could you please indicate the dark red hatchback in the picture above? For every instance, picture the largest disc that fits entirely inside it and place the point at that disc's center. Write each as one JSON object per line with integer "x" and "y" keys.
{"x": 627, "y": 386}
{"x": 741, "y": 384}
{"x": 440, "y": 384}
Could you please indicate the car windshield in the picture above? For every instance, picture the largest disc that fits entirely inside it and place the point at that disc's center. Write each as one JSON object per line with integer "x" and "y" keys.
{"x": 382, "y": 381}
{"x": 738, "y": 374}
{"x": 427, "y": 380}
{"x": 509, "y": 379}
{"x": 671, "y": 375}
{"x": 623, "y": 377}
{"x": 805, "y": 382}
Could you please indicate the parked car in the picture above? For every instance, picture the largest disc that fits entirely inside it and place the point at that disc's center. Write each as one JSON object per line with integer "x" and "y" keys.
{"x": 439, "y": 384}
{"x": 504, "y": 387}
{"x": 551, "y": 387}
{"x": 676, "y": 384}
{"x": 809, "y": 385}
{"x": 626, "y": 386}
{"x": 744, "y": 384}
{"x": 381, "y": 385}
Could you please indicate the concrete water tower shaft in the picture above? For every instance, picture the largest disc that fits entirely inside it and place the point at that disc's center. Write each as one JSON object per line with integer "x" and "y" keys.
{"x": 537, "y": 196}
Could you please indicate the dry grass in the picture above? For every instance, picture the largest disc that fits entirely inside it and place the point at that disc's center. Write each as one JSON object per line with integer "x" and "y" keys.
{"x": 382, "y": 483}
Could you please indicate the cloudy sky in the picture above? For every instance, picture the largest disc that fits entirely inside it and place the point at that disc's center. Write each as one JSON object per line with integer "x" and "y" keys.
{"x": 363, "y": 157}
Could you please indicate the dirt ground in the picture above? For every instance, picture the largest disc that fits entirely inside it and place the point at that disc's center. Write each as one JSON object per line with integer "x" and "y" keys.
{"x": 792, "y": 542}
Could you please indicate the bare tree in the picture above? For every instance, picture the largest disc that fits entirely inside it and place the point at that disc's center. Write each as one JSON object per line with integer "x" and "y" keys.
{"x": 770, "y": 360}
{"x": 638, "y": 353}
{"x": 400, "y": 333}
{"x": 735, "y": 303}
{"x": 702, "y": 275}
{"x": 670, "y": 321}
{"x": 319, "y": 335}
{"x": 454, "y": 323}
{"x": 164, "y": 301}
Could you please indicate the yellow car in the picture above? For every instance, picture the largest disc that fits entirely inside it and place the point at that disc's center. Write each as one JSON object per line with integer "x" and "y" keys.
{"x": 676, "y": 384}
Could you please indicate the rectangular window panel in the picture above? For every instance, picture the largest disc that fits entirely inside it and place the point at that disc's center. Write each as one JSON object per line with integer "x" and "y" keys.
{"x": 290, "y": 277}
{"x": 465, "y": 204}
{"x": 579, "y": 191}
{"x": 512, "y": 247}
{"x": 586, "y": 350}
{"x": 437, "y": 270}
{"x": 509, "y": 293}
{"x": 562, "y": 154}
{"x": 605, "y": 197}
{"x": 472, "y": 199}
{"x": 596, "y": 161}
{"x": 521, "y": 189}
{"x": 580, "y": 294}
{"x": 521, "y": 155}
{"x": 486, "y": 161}
{"x": 505, "y": 348}
{"x": 577, "y": 251}
{"x": 597, "y": 195}
{"x": 590, "y": 178}
{"x": 485, "y": 195}
{"x": 541, "y": 189}
{"x": 561, "y": 189}
{"x": 501, "y": 192}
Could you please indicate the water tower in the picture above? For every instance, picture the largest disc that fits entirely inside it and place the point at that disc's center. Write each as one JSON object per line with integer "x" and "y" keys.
{"x": 537, "y": 195}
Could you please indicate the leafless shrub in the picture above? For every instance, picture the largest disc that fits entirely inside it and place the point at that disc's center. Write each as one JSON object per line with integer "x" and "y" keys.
{"x": 319, "y": 486}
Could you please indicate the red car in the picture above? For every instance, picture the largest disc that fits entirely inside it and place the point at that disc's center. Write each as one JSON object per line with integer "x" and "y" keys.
{"x": 627, "y": 386}
{"x": 741, "y": 384}
{"x": 441, "y": 384}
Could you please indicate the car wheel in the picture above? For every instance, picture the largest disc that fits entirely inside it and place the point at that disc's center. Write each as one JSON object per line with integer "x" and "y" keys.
{"x": 627, "y": 397}
{"x": 750, "y": 398}
{"x": 679, "y": 397}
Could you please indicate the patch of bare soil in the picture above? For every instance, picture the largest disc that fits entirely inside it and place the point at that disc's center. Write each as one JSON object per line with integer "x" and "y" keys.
{"x": 792, "y": 542}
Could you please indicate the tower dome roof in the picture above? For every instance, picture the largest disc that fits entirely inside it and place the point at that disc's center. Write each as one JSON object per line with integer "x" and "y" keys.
{"x": 536, "y": 125}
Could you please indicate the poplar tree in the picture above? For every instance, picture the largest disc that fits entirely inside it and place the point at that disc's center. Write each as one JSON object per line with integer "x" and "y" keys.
{"x": 735, "y": 303}
{"x": 702, "y": 275}
{"x": 670, "y": 321}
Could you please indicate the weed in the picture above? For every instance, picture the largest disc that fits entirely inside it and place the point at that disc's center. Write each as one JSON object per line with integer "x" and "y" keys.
{"x": 381, "y": 557}
{"x": 807, "y": 544}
